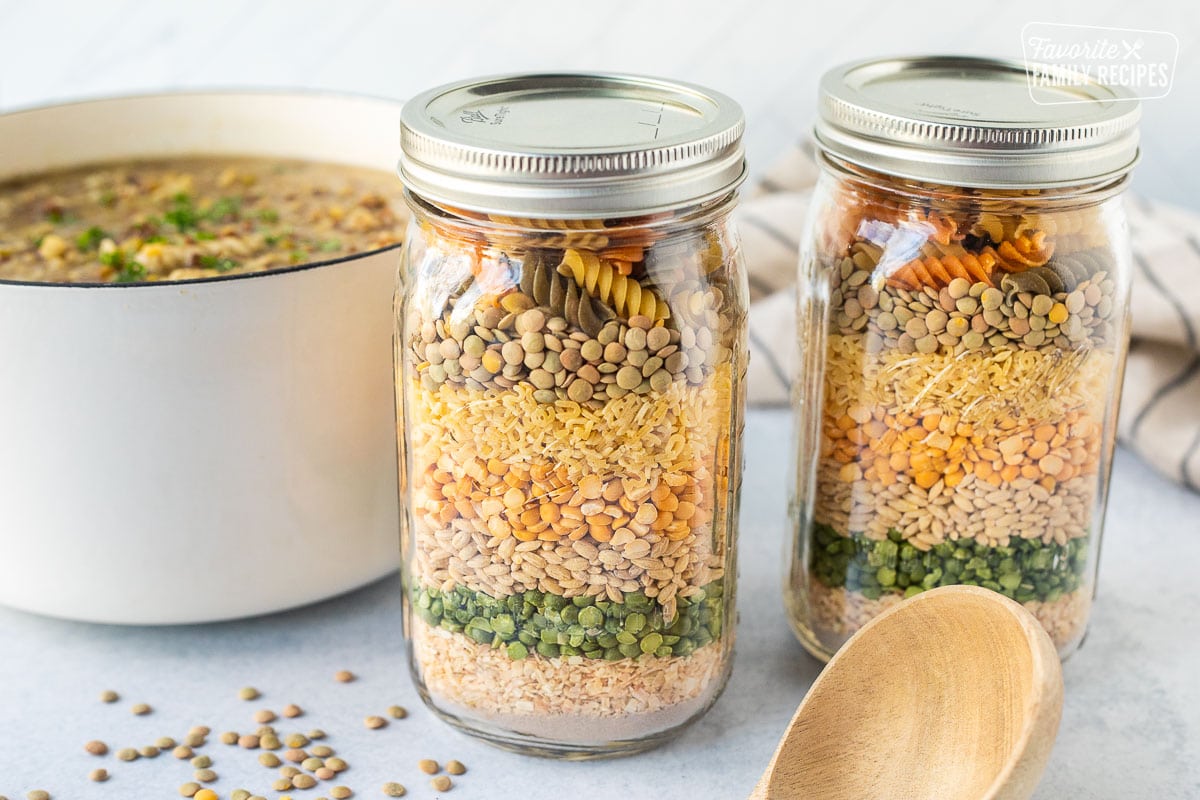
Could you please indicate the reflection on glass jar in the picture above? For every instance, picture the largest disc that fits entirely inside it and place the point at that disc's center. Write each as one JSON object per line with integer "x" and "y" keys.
{"x": 965, "y": 348}
{"x": 572, "y": 407}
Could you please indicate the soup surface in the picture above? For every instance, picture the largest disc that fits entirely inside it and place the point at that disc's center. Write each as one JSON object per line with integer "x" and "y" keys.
{"x": 193, "y": 217}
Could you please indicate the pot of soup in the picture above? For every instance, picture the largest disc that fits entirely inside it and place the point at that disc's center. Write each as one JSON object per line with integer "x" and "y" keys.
{"x": 195, "y": 354}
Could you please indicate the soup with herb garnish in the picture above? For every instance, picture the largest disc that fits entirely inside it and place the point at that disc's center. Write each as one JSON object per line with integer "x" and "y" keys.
{"x": 193, "y": 217}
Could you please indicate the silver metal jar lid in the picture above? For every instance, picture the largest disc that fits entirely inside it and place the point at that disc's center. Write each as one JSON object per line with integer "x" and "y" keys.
{"x": 571, "y": 145}
{"x": 972, "y": 122}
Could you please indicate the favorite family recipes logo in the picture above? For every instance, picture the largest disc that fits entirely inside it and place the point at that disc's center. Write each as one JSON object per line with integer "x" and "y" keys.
{"x": 1059, "y": 57}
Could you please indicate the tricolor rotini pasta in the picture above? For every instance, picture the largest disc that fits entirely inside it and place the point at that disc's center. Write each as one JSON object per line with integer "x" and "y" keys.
{"x": 1023, "y": 251}
{"x": 587, "y": 233}
{"x": 603, "y": 281}
{"x": 938, "y": 265}
{"x": 561, "y": 295}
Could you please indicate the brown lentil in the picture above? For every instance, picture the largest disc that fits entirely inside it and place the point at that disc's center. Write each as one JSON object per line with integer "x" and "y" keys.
{"x": 149, "y": 751}
{"x": 442, "y": 783}
{"x": 291, "y": 711}
{"x": 428, "y": 766}
{"x": 393, "y": 789}
{"x": 550, "y": 360}
{"x": 455, "y": 768}
{"x": 324, "y": 773}
{"x": 99, "y": 775}
{"x": 1079, "y": 311}
{"x": 201, "y": 762}
{"x": 194, "y": 740}
{"x": 336, "y": 764}
{"x": 239, "y": 794}
{"x": 316, "y": 733}
{"x": 249, "y": 741}
{"x": 109, "y": 696}
{"x": 189, "y": 789}
{"x": 264, "y": 715}
{"x": 375, "y": 722}
{"x": 182, "y": 751}
{"x": 312, "y": 763}
{"x": 341, "y": 792}
{"x": 96, "y": 747}
{"x": 281, "y": 784}
{"x": 164, "y": 743}
{"x": 269, "y": 760}
{"x": 321, "y": 751}
{"x": 288, "y": 772}
{"x": 141, "y": 709}
{"x": 269, "y": 741}
{"x": 344, "y": 676}
{"x": 127, "y": 754}
{"x": 296, "y": 740}
{"x": 229, "y": 737}
{"x": 304, "y": 781}
{"x": 205, "y": 775}
{"x": 397, "y": 712}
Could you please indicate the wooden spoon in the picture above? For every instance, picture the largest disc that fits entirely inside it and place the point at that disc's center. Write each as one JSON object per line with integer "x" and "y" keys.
{"x": 955, "y": 694}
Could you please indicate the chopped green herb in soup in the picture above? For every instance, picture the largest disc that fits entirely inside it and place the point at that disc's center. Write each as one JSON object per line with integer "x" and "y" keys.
{"x": 196, "y": 217}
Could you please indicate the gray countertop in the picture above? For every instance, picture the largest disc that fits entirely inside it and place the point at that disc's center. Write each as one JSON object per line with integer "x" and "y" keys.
{"x": 1131, "y": 727}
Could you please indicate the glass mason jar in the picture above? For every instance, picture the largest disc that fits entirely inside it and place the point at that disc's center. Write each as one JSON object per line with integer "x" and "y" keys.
{"x": 570, "y": 351}
{"x": 963, "y": 301}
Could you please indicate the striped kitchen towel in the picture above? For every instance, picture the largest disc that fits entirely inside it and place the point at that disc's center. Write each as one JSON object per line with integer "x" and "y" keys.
{"x": 1160, "y": 407}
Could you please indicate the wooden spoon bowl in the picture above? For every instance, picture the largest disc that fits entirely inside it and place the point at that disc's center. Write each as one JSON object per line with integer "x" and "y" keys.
{"x": 955, "y": 693}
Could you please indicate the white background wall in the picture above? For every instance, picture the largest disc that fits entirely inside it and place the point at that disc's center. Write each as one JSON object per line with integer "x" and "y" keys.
{"x": 766, "y": 53}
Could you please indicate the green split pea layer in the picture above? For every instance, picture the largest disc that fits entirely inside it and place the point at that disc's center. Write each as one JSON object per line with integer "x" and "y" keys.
{"x": 553, "y": 626}
{"x": 1025, "y": 570}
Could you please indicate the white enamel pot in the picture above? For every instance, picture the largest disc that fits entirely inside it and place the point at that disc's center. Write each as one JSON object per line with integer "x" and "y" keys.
{"x": 204, "y": 450}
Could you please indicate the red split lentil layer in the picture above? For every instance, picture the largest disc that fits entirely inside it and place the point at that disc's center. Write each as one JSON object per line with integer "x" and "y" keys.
{"x": 929, "y": 446}
{"x": 542, "y": 501}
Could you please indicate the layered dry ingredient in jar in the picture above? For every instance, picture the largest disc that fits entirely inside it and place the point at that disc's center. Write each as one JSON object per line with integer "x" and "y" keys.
{"x": 571, "y": 392}
{"x": 570, "y": 357}
{"x": 188, "y": 218}
{"x": 963, "y": 305}
{"x": 969, "y": 350}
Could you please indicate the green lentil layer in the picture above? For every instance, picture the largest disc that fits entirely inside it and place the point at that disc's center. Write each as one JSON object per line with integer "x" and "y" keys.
{"x": 551, "y": 625}
{"x": 1028, "y": 569}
